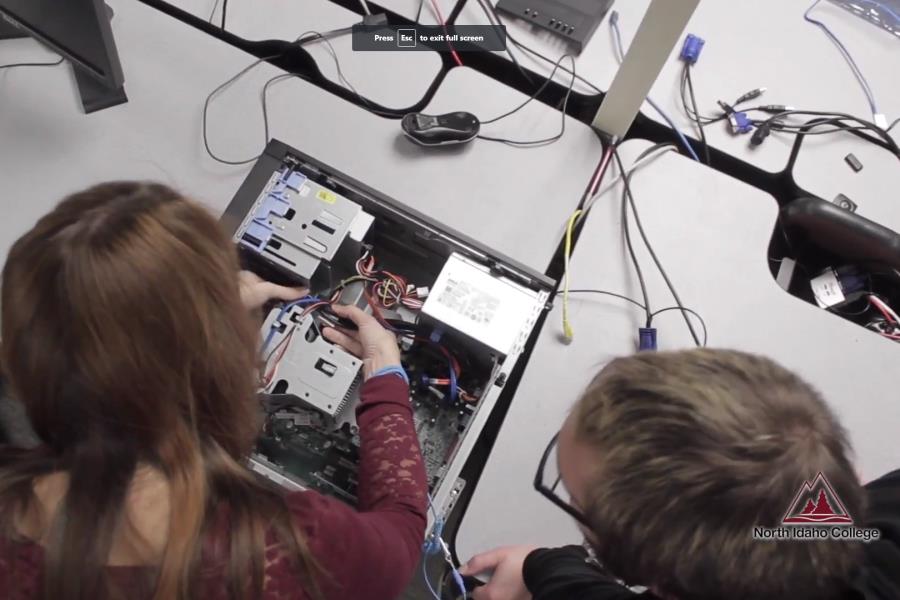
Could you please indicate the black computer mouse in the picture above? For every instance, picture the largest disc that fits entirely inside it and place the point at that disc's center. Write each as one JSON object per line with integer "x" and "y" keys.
{"x": 441, "y": 130}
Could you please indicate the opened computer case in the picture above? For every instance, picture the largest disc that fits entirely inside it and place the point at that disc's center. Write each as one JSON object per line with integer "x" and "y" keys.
{"x": 462, "y": 314}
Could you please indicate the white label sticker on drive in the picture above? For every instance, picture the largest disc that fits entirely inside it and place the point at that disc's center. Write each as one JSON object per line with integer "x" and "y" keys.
{"x": 304, "y": 190}
{"x": 827, "y": 289}
{"x": 472, "y": 303}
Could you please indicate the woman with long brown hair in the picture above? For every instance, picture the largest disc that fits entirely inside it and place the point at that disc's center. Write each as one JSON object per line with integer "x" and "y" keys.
{"x": 125, "y": 336}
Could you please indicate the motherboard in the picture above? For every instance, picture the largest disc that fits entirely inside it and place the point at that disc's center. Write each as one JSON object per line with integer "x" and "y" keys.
{"x": 461, "y": 315}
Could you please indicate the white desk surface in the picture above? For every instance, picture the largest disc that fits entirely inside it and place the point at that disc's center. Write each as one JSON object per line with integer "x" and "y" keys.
{"x": 749, "y": 44}
{"x": 691, "y": 215}
{"x": 514, "y": 200}
{"x": 393, "y": 79}
{"x": 51, "y": 149}
{"x": 759, "y": 43}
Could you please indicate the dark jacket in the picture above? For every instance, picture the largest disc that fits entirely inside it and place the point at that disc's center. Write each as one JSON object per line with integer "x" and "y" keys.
{"x": 565, "y": 574}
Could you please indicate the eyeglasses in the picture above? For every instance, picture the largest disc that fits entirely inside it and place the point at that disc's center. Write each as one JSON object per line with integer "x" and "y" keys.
{"x": 549, "y": 491}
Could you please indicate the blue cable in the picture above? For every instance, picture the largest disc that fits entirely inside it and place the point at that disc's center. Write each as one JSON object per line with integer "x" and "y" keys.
{"x": 431, "y": 589}
{"x": 454, "y": 390}
{"x": 434, "y": 545}
{"x": 617, "y": 37}
{"x": 883, "y": 7}
{"x": 870, "y": 97}
{"x": 274, "y": 327}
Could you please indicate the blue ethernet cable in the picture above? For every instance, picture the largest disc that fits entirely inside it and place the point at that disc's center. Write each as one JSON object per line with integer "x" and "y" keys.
{"x": 857, "y": 72}
{"x": 435, "y": 545}
{"x": 620, "y": 54}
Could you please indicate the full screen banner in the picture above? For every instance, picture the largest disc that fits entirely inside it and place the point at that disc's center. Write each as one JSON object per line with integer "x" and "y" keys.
{"x": 461, "y": 38}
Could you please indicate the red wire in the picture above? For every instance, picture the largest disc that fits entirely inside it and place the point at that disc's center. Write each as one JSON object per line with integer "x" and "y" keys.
{"x": 877, "y": 305}
{"x": 453, "y": 53}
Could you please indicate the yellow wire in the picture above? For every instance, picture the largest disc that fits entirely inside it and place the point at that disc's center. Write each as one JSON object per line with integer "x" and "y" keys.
{"x": 567, "y": 326}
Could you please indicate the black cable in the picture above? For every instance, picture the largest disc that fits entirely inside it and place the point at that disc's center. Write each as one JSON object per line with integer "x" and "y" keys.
{"x": 32, "y": 64}
{"x": 634, "y": 261}
{"x": 546, "y": 141}
{"x": 627, "y": 195}
{"x": 798, "y": 143}
{"x": 224, "y": 12}
{"x": 419, "y": 12}
{"x": 834, "y": 117}
{"x": 491, "y": 14}
{"x": 301, "y": 40}
{"x": 605, "y": 293}
{"x": 212, "y": 13}
{"x": 205, "y": 112}
{"x": 892, "y": 125}
{"x": 627, "y": 231}
{"x": 686, "y": 105}
{"x": 652, "y": 315}
{"x": 836, "y": 129}
{"x": 533, "y": 52}
{"x": 684, "y": 309}
{"x": 697, "y": 119}
{"x": 537, "y": 93}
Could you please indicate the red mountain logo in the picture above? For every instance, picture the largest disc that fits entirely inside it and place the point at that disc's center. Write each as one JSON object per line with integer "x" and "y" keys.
{"x": 826, "y": 509}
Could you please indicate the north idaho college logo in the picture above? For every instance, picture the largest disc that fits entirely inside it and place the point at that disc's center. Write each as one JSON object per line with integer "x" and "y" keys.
{"x": 816, "y": 513}
{"x": 827, "y": 507}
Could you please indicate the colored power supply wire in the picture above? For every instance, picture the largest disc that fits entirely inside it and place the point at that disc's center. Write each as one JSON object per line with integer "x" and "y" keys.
{"x": 567, "y": 327}
{"x": 589, "y": 194}
{"x": 620, "y": 56}
{"x": 440, "y": 18}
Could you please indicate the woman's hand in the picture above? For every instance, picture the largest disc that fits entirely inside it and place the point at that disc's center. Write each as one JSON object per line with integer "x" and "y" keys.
{"x": 375, "y": 345}
{"x": 505, "y": 566}
{"x": 255, "y": 291}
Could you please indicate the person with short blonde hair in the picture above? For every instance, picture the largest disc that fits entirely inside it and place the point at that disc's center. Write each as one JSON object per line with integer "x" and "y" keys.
{"x": 671, "y": 461}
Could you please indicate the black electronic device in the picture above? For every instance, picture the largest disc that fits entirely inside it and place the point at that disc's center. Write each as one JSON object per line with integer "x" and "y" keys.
{"x": 573, "y": 20}
{"x": 448, "y": 129}
{"x": 80, "y": 31}
{"x": 461, "y": 311}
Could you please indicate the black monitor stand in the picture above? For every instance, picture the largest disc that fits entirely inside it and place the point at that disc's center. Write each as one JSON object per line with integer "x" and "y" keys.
{"x": 94, "y": 95}
{"x": 8, "y": 32}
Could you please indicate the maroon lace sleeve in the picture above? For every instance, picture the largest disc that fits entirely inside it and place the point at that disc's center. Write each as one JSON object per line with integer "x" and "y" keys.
{"x": 373, "y": 551}
{"x": 366, "y": 553}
